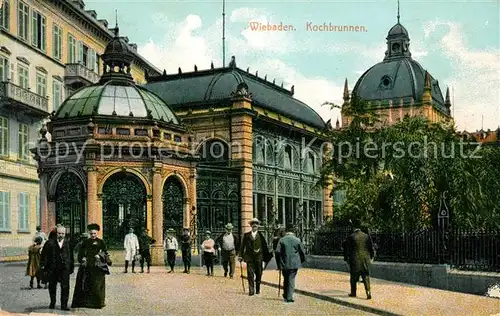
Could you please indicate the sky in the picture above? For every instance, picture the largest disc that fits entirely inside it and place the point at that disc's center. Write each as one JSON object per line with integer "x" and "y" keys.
{"x": 458, "y": 42}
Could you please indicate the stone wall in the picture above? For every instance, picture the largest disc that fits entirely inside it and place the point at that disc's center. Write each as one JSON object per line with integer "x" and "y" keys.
{"x": 429, "y": 275}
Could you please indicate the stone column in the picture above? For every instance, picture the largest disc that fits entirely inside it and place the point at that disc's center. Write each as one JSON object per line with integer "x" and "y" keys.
{"x": 51, "y": 216}
{"x": 44, "y": 214}
{"x": 94, "y": 216}
{"x": 149, "y": 213}
{"x": 157, "y": 249}
{"x": 241, "y": 152}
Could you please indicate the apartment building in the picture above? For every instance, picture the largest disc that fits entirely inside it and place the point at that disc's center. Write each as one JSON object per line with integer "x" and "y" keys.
{"x": 48, "y": 50}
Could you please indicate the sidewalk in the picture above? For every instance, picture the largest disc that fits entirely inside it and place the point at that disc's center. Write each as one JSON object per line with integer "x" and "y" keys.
{"x": 388, "y": 298}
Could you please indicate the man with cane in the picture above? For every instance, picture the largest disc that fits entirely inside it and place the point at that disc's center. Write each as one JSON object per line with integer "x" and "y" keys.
{"x": 291, "y": 255}
{"x": 254, "y": 251}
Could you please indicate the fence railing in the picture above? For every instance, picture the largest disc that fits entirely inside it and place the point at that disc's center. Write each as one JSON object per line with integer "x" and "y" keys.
{"x": 461, "y": 249}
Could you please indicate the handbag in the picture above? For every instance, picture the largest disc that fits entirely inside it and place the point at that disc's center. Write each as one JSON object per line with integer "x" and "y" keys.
{"x": 102, "y": 262}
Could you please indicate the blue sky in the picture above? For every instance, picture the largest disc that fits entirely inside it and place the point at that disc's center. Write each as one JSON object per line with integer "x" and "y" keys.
{"x": 458, "y": 42}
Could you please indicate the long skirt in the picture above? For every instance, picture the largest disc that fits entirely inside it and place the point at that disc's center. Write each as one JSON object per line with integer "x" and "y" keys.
{"x": 90, "y": 288}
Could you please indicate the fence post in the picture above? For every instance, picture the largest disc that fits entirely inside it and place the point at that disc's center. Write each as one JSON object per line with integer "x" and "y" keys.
{"x": 444, "y": 226}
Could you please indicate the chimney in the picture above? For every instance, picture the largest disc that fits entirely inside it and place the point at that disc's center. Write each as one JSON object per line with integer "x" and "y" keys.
{"x": 92, "y": 13}
{"x": 104, "y": 22}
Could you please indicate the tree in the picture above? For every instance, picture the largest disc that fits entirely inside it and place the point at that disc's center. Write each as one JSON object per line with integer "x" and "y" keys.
{"x": 397, "y": 175}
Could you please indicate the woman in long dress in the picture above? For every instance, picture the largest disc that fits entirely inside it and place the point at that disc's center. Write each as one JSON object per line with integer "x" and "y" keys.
{"x": 90, "y": 286}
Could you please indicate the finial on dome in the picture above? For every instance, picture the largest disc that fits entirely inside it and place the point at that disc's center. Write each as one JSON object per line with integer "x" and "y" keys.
{"x": 292, "y": 90}
{"x": 274, "y": 81}
{"x": 398, "y": 11}
{"x": 180, "y": 70}
{"x": 164, "y": 72}
{"x": 257, "y": 73}
{"x": 248, "y": 69}
{"x": 265, "y": 77}
{"x": 117, "y": 30}
{"x": 212, "y": 65}
{"x": 195, "y": 68}
{"x": 282, "y": 84}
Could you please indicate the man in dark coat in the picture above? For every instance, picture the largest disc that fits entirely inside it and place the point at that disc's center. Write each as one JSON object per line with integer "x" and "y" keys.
{"x": 358, "y": 253}
{"x": 186, "y": 250}
{"x": 291, "y": 255}
{"x": 144, "y": 241}
{"x": 254, "y": 252}
{"x": 229, "y": 245}
{"x": 59, "y": 264}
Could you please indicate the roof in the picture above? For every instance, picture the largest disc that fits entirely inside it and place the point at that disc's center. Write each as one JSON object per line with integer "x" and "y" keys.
{"x": 115, "y": 100}
{"x": 187, "y": 89}
{"x": 396, "y": 30}
{"x": 396, "y": 79}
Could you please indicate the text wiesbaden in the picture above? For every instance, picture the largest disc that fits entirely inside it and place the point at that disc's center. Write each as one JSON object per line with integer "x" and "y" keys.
{"x": 309, "y": 27}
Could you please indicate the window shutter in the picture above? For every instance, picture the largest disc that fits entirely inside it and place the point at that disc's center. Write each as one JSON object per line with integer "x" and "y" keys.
{"x": 33, "y": 27}
{"x": 43, "y": 33}
{"x": 80, "y": 52}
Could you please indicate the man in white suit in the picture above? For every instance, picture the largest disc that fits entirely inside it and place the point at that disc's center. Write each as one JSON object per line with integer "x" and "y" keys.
{"x": 131, "y": 245}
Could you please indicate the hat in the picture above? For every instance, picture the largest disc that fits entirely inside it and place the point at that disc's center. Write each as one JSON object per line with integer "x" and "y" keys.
{"x": 254, "y": 221}
{"x": 94, "y": 227}
{"x": 38, "y": 239}
{"x": 170, "y": 230}
{"x": 229, "y": 226}
{"x": 208, "y": 232}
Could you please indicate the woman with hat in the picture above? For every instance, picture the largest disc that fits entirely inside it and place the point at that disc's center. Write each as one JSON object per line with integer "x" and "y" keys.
{"x": 34, "y": 263}
{"x": 170, "y": 246}
{"x": 208, "y": 248}
{"x": 90, "y": 287}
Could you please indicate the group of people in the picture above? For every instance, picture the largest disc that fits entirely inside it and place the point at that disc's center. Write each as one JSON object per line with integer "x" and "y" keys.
{"x": 51, "y": 261}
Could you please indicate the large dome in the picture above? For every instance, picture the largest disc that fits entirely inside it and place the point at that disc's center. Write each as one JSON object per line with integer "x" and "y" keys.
{"x": 116, "y": 100}
{"x": 394, "y": 80}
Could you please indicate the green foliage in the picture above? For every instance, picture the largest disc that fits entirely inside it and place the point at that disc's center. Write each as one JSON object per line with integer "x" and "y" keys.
{"x": 396, "y": 176}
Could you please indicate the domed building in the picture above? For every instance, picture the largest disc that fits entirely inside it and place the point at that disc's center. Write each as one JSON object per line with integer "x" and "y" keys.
{"x": 399, "y": 85}
{"x": 117, "y": 154}
{"x": 197, "y": 149}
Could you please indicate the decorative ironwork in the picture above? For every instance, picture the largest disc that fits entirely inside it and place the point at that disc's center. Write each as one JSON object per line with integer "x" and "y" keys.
{"x": 218, "y": 201}
{"x": 70, "y": 210}
{"x": 173, "y": 205}
{"x": 79, "y": 70}
{"x": 11, "y": 91}
{"x": 124, "y": 206}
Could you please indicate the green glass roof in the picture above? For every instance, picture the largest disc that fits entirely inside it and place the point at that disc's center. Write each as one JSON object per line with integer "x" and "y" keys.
{"x": 115, "y": 100}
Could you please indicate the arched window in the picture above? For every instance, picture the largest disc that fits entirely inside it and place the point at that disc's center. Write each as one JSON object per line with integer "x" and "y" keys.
{"x": 288, "y": 157}
{"x": 258, "y": 150}
{"x": 214, "y": 150}
{"x": 310, "y": 167}
{"x": 269, "y": 153}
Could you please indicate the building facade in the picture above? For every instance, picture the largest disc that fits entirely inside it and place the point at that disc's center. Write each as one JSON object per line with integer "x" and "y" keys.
{"x": 48, "y": 50}
{"x": 399, "y": 86}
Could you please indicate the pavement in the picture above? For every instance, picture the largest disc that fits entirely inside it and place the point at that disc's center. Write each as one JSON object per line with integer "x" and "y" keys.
{"x": 161, "y": 293}
{"x": 318, "y": 292}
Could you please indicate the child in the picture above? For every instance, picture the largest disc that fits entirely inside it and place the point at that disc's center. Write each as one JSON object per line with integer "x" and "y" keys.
{"x": 33, "y": 269}
{"x": 208, "y": 248}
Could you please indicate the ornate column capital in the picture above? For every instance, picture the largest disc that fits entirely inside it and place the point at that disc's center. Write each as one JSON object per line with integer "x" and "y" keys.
{"x": 90, "y": 168}
{"x": 157, "y": 170}
{"x": 99, "y": 196}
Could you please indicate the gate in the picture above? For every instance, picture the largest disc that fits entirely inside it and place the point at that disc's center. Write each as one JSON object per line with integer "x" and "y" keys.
{"x": 70, "y": 210}
{"x": 218, "y": 201}
{"x": 173, "y": 205}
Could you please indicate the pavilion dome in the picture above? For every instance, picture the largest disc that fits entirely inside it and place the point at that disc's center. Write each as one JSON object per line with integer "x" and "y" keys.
{"x": 119, "y": 100}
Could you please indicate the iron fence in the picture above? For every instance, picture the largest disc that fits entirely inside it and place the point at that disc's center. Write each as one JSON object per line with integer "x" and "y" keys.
{"x": 461, "y": 249}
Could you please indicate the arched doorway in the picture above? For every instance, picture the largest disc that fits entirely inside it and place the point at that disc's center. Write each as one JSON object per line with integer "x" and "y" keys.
{"x": 173, "y": 205}
{"x": 123, "y": 206}
{"x": 70, "y": 206}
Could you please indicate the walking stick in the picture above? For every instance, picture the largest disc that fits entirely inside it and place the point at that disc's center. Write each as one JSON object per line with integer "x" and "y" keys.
{"x": 242, "y": 277}
{"x": 279, "y": 282}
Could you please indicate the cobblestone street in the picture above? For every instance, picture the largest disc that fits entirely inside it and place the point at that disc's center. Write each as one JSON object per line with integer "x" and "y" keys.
{"x": 160, "y": 293}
